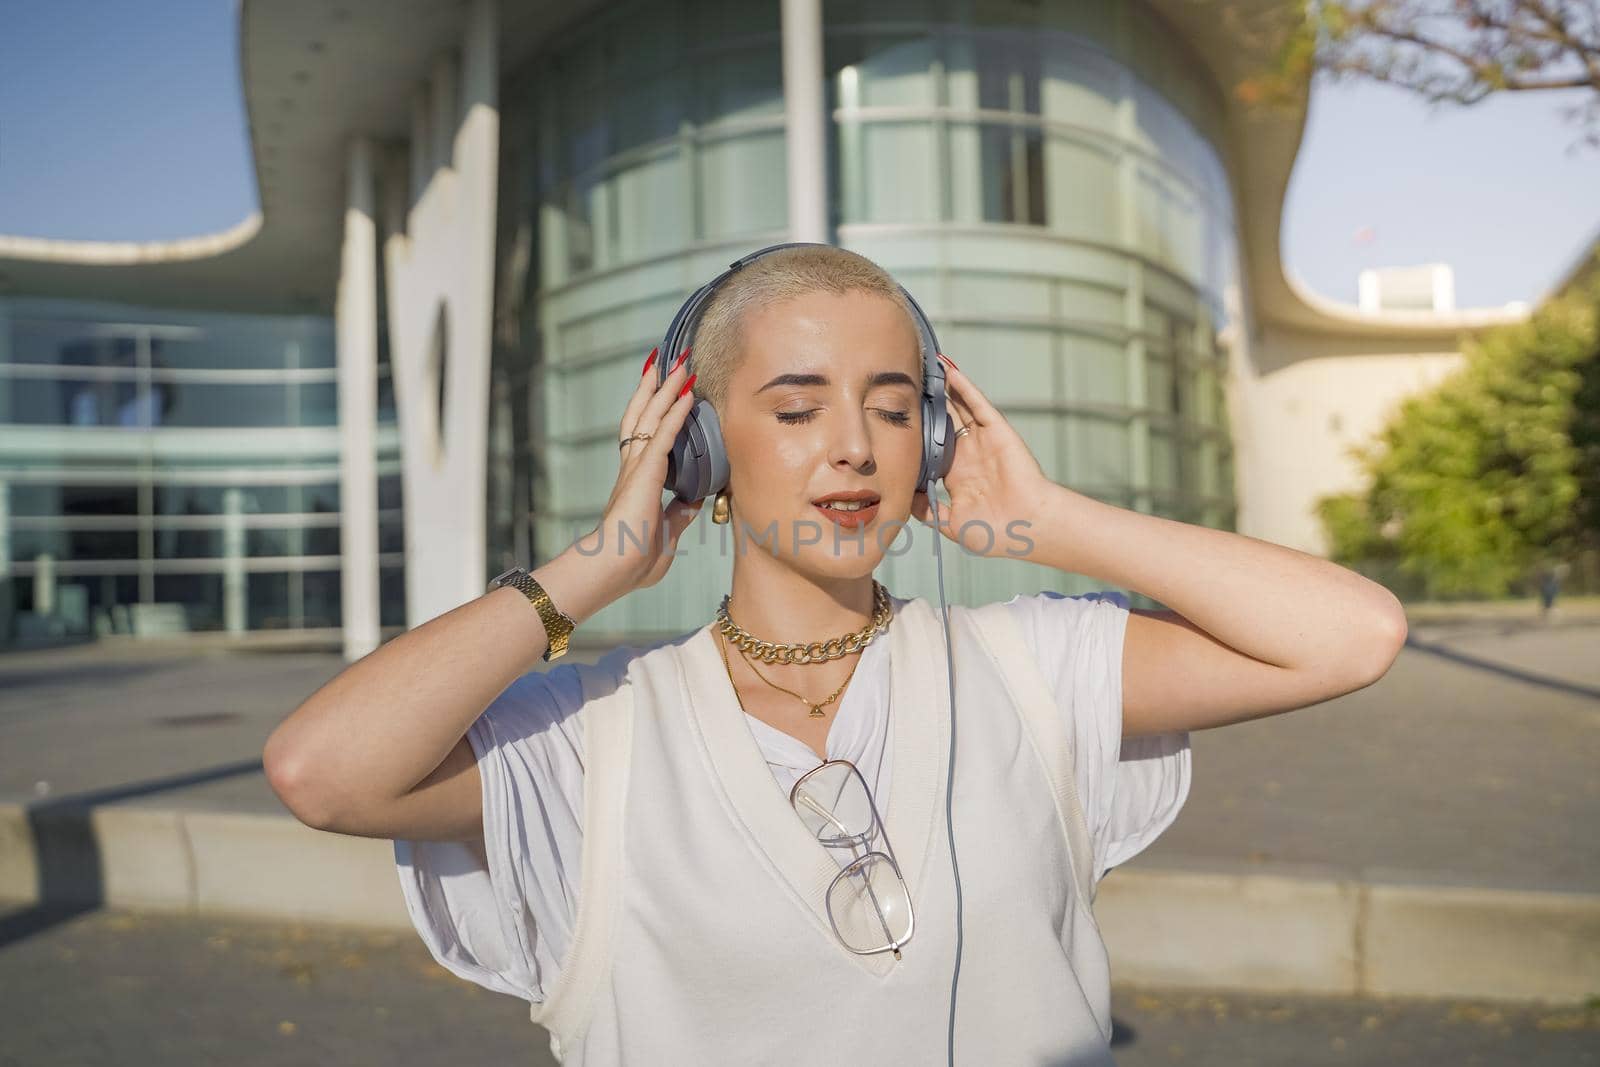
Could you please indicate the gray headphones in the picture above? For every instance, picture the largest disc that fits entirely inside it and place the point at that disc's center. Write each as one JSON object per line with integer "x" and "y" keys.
{"x": 698, "y": 464}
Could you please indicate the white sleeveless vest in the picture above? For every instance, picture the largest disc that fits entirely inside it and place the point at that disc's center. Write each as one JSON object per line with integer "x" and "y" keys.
{"x": 702, "y": 934}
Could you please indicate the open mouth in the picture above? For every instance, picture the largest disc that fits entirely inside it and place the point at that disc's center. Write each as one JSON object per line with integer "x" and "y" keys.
{"x": 849, "y": 509}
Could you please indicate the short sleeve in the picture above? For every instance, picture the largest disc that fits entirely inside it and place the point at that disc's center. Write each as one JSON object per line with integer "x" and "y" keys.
{"x": 503, "y": 918}
{"x": 1133, "y": 789}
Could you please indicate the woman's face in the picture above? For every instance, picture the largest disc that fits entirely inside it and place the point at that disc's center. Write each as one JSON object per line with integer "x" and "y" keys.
{"x": 825, "y": 400}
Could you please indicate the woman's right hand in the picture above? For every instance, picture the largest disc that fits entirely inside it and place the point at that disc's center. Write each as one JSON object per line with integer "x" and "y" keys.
{"x": 629, "y": 536}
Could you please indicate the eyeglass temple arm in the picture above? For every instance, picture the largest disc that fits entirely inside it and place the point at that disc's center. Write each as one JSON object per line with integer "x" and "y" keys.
{"x": 825, "y": 813}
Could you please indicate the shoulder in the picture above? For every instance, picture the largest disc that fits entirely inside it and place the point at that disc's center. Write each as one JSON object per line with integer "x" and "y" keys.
{"x": 1051, "y": 620}
{"x": 546, "y": 708}
{"x": 618, "y": 667}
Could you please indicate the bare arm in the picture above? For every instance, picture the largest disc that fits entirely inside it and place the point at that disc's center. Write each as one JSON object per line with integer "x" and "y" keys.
{"x": 1253, "y": 629}
{"x": 381, "y": 750}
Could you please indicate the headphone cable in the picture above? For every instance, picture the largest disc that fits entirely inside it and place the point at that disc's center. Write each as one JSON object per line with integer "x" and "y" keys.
{"x": 950, "y": 774}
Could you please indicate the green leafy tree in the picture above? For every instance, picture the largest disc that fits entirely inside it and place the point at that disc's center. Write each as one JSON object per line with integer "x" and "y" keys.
{"x": 1478, "y": 481}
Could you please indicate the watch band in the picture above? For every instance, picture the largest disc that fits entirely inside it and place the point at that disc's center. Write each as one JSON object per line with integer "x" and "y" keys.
{"x": 558, "y": 626}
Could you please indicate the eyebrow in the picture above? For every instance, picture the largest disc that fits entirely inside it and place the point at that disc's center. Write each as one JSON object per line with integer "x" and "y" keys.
{"x": 883, "y": 377}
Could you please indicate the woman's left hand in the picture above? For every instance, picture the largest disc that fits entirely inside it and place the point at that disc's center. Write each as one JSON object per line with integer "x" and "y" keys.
{"x": 994, "y": 481}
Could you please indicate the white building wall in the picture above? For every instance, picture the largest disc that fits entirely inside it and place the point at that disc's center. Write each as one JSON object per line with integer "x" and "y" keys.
{"x": 1300, "y": 409}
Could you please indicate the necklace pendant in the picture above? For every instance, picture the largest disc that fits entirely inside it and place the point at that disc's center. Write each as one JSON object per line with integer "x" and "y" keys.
{"x": 816, "y": 711}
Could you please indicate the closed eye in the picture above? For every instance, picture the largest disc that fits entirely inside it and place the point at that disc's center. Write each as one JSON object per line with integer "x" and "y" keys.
{"x": 898, "y": 418}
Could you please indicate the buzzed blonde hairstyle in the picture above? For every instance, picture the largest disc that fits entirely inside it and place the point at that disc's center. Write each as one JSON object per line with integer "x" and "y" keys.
{"x": 775, "y": 277}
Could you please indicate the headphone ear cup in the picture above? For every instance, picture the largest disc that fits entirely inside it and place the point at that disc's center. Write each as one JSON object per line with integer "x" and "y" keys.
{"x": 939, "y": 443}
{"x": 697, "y": 465}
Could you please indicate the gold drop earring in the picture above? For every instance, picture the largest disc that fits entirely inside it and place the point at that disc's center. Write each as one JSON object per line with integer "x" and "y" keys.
{"x": 719, "y": 508}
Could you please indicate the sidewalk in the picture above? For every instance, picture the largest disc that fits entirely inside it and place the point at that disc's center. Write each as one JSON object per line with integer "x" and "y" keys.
{"x": 1431, "y": 835}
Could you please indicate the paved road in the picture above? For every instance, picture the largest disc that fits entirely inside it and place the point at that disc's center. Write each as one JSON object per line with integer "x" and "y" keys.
{"x": 108, "y": 988}
{"x": 1472, "y": 762}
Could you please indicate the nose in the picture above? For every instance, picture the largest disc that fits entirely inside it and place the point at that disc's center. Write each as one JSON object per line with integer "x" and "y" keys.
{"x": 852, "y": 444}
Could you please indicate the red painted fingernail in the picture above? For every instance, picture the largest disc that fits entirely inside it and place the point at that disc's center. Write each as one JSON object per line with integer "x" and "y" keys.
{"x": 649, "y": 361}
{"x": 948, "y": 360}
{"x": 681, "y": 357}
{"x": 688, "y": 384}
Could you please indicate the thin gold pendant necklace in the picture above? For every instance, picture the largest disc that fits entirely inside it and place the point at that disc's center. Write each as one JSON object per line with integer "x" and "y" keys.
{"x": 816, "y": 707}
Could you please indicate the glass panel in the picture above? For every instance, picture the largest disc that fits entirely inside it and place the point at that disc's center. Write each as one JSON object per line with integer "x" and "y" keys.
{"x": 1082, "y": 189}
{"x": 269, "y": 601}
{"x": 253, "y": 499}
{"x": 746, "y": 84}
{"x": 386, "y": 408}
{"x": 1087, "y": 303}
{"x": 649, "y": 110}
{"x": 189, "y": 544}
{"x": 1018, "y": 367}
{"x": 744, "y": 185}
{"x": 654, "y": 207}
{"x": 1082, "y": 86}
{"x": 896, "y": 73}
{"x": 1161, "y": 386}
{"x": 320, "y": 541}
{"x": 1008, "y": 74}
{"x": 63, "y": 543}
{"x": 1097, "y": 371}
{"x": 1097, "y": 451}
{"x": 389, "y": 493}
{"x": 75, "y": 500}
{"x": 889, "y": 172}
{"x": 322, "y": 598}
{"x": 74, "y": 344}
{"x": 318, "y": 404}
{"x": 33, "y": 402}
{"x": 1164, "y": 473}
{"x": 194, "y": 404}
{"x": 200, "y": 595}
{"x": 1013, "y": 174}
{"x": 392, "y": 596}
{"x": 391, "y": 537}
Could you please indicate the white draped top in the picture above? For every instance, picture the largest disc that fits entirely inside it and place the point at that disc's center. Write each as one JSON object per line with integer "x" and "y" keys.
{"x": 531, "y": 758}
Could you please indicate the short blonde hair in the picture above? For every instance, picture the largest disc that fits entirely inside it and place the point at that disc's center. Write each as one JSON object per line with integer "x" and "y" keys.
{"x": 775, "y": 277}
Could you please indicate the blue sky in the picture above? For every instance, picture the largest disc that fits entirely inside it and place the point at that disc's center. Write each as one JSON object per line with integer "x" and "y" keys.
{"x": 123, "y": 121}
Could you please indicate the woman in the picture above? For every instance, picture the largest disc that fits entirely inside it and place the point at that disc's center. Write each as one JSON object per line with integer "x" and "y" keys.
{"x": 604, "y": 840}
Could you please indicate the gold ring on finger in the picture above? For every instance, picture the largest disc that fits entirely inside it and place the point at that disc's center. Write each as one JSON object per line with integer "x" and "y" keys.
{"x": 963, "y": 431}
{"x": 633, "y": 437}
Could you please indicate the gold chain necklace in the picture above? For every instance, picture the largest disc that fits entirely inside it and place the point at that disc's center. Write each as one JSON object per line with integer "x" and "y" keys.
{"x": 815, "y": 652}
{"x": 816, "y": 708}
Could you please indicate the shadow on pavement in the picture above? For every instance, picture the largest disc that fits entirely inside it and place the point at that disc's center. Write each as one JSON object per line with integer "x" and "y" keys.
{"x": 71, "y": 879}
{"x": 1477, "y": 663}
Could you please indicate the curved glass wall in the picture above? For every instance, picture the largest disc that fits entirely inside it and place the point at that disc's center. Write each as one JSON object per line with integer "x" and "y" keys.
{"x": 1044, "y": 181}
{"x": 169, "y": 471}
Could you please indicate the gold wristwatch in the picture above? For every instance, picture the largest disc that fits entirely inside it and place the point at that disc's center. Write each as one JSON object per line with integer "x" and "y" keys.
{"x": 557, "y": 625}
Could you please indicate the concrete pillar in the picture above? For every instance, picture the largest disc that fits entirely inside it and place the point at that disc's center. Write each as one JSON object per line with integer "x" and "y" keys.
{"x": 44, "y": 584}
{"x": 440, "y": 272}
{"x": 356, "y": 330}
{"x": 235, "y": 581}
{"x": 805, "y": 121}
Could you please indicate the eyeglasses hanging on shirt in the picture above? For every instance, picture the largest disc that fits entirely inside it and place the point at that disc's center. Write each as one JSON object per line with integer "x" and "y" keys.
{"x": 869, "y": 904}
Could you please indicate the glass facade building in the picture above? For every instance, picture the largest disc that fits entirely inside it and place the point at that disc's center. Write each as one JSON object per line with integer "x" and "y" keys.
{"x": 1045, "y": 179}
{"x": 170, "y": 471}
{"x": 1046, "y": 182}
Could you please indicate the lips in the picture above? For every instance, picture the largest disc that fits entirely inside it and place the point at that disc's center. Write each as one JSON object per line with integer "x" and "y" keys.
{"x": 848, "y": 501}
{"x": 850, "y": 519}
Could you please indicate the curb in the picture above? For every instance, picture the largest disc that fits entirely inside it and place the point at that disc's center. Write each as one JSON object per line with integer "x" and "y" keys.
{"x": 1252, "y": 933}
{"x": 1272, "y": 933}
